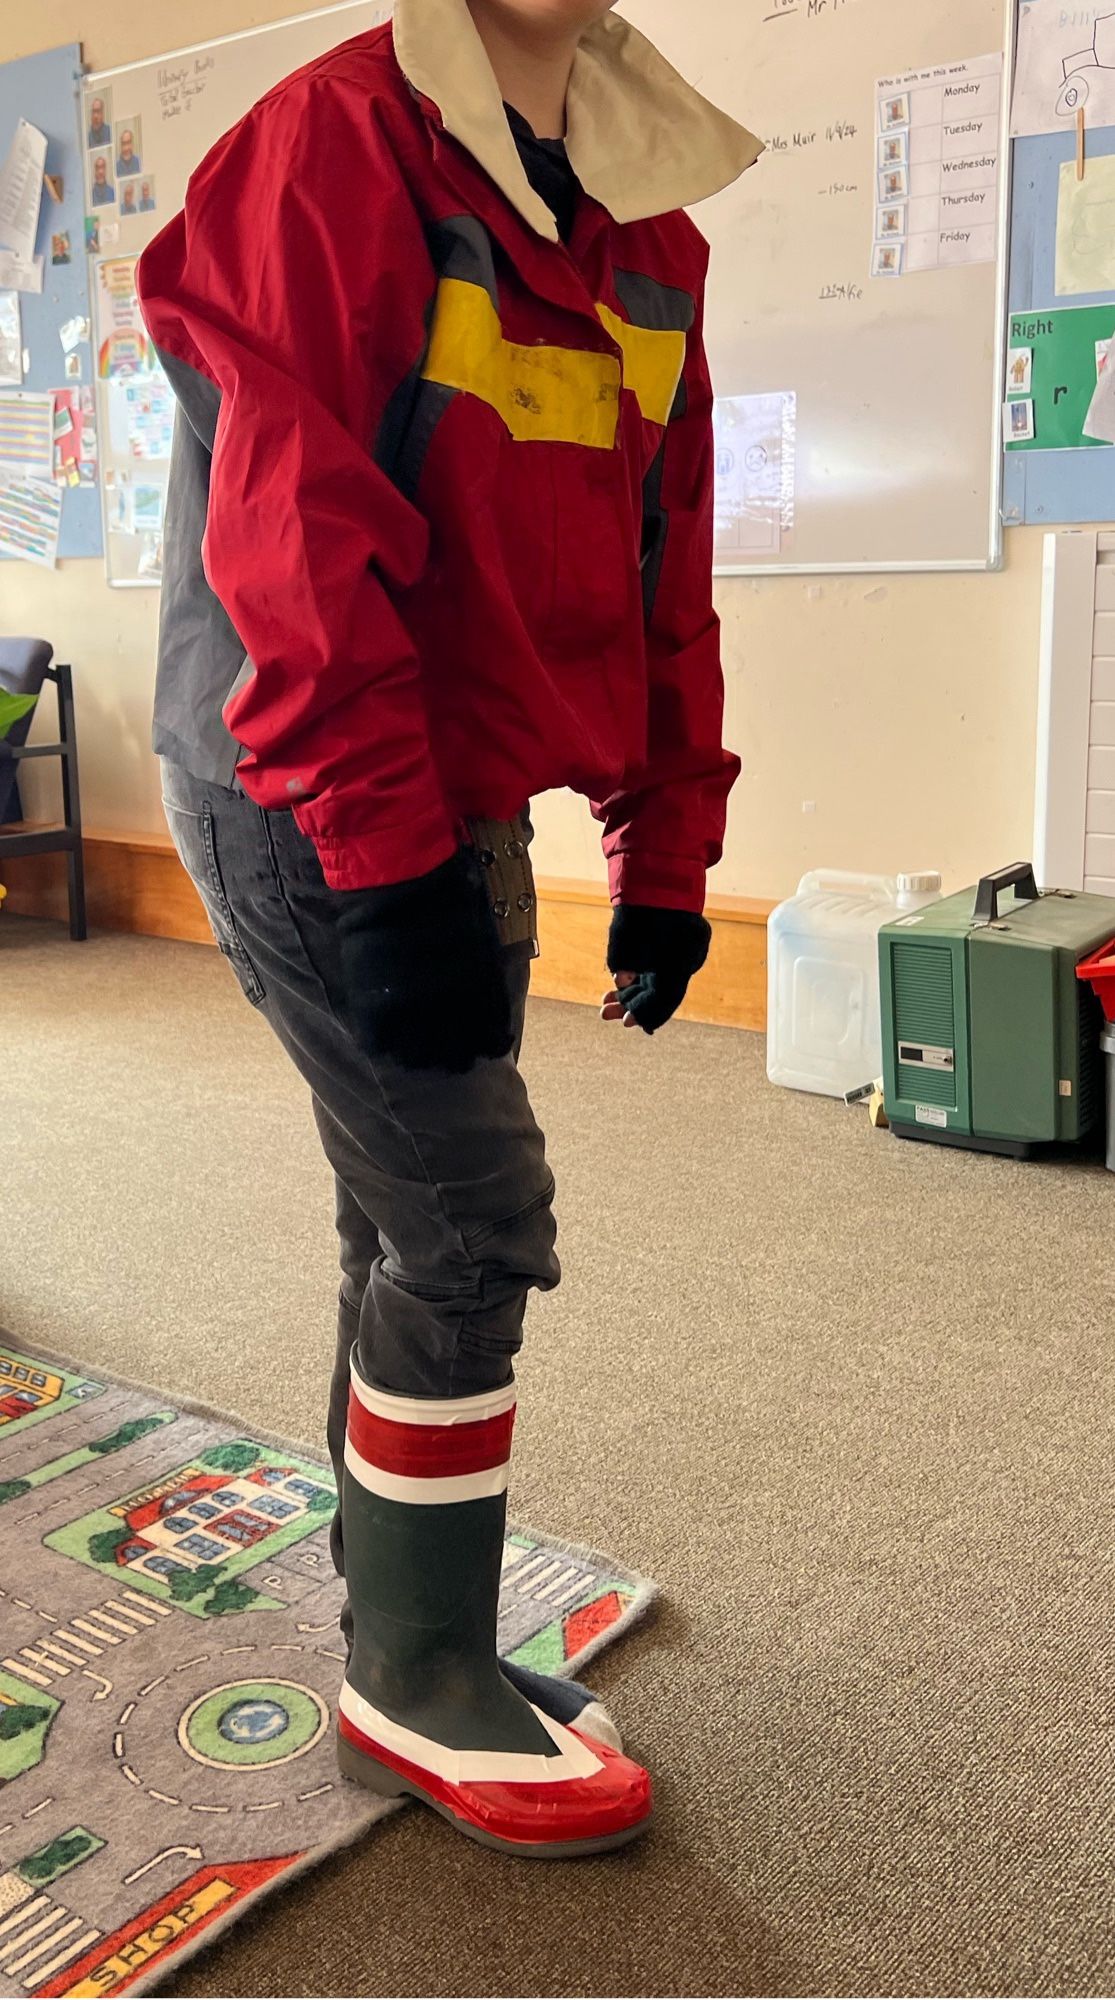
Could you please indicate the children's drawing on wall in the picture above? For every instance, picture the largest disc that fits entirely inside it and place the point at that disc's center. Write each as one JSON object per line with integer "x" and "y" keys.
{"x": 1066, "y": 63}
{"x": 129, "y": 141}
{"x": 1085, "y": 244}
{"x": 99, "y": 131}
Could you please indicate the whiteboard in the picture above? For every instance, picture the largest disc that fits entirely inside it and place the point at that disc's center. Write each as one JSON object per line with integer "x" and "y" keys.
{"x": 872, "y": 404}
{"x": 175, "y": 107}
{"x": 892, "y": 438}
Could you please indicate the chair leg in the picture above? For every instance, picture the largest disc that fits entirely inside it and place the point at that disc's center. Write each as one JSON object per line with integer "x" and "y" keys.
{"x": 71, "y": 801}
{"x": 75, "y": 870}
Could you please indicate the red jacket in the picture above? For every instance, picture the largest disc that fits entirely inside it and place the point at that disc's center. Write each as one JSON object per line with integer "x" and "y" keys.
{"x": 460, "y": 500}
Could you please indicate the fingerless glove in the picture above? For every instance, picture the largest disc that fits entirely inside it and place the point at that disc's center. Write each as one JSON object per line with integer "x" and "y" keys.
{"x": 664, "y": 948}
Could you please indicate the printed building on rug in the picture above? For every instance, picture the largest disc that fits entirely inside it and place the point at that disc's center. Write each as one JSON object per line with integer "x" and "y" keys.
{"x": 24, "y": 1387}
{"x": 207, "y": 1518}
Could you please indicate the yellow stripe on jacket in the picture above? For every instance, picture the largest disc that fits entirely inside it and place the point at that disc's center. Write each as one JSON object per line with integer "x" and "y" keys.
{"x": 553, "y": 395}
{"x": 562, "y": 395}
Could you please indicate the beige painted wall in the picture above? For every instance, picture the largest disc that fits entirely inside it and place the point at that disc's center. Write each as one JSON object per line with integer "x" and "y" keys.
{"x": 884, "y": 722}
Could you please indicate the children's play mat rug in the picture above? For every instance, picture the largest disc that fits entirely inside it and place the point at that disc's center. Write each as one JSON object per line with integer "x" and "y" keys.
{"x": 169, "y": 1664}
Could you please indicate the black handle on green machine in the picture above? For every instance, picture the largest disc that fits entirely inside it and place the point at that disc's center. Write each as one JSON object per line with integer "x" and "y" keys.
{"x": 1020, "y": 878}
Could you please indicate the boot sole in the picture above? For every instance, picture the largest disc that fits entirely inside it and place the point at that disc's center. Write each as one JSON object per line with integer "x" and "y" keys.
{"x": 379, "y": 1778}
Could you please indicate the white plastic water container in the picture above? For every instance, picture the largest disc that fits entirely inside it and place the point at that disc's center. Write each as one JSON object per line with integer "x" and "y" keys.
{"x": 823, "y": 1027}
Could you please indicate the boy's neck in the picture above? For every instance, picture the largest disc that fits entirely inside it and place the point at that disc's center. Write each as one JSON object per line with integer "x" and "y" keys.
{"x": 532, "y": 68}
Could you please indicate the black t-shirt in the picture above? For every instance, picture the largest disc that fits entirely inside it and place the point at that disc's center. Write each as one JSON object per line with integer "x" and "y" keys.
{"x": 547, "y": 168}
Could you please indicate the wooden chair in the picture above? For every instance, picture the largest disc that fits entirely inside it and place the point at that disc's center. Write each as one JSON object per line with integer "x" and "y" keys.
{"x": 25, "y": 664}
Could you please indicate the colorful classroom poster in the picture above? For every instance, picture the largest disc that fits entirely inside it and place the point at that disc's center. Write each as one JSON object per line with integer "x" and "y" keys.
{"x": 30, "y": 517}
{"x": 1065, "y": 345}
{"x": 27, "y": 433}
{"x": 936, "y": 197}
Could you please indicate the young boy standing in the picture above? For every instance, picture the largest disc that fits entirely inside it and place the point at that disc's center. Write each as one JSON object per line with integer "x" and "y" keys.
{"x": 439, "y": 538}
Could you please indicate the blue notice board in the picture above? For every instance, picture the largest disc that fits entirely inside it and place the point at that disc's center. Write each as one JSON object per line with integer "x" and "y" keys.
{"x": 43, "y": 89}
{"x": 1049, "y": 487}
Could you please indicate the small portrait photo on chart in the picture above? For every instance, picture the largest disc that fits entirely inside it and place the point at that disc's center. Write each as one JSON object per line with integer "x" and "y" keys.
{"x": 102, "y": 190}
{"x": 1018, "y": 422}
{"x": 887, "y": 259}
{"x": 895, "y": 111}
{"x": 1020, "y": 370}
{"x": 892, "y": 222}
{"x": 60, "y": 247}
{"x": 894, "y": 184}
{"x": 145, "y": 199}
{"x": 129, "y": 142}
{"x": 99, "y": 130}
{"x": 894, "y": 150}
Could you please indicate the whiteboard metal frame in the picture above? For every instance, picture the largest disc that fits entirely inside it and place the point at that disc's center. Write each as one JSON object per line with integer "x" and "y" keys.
{"x": 976, "y": 565}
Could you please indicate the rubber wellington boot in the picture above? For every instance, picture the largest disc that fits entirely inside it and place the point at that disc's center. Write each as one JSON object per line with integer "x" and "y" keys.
{"x": 425, "y": 1709}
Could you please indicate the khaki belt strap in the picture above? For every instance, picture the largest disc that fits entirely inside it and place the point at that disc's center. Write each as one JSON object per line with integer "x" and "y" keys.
{"x": 503, "y": 849}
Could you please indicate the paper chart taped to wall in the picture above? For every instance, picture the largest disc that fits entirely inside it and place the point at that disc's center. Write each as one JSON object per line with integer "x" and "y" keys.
{"x": 27, "y": 433}
{"x": 20, "y": 274}
{"x": 150, "y": 407}
{"x": 21, "y": 190}
{"x": 30, "y": 518}
{"x": 938, "y": 204}
{"x": 11, "y": 341}
{"x": 755, "y": 440}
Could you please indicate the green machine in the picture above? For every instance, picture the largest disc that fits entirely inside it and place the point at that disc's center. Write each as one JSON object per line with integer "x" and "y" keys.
{"x": 989, "y": 1038}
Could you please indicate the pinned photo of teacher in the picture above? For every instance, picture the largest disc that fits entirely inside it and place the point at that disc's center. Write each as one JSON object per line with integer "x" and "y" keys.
{"x": 100, "y": 121}
{"x": 127, "y": 148}
{"x": 103, "y": 189}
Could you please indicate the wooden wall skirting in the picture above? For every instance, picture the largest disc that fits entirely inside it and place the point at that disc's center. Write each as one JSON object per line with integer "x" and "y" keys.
{"x": 137, "y": 883}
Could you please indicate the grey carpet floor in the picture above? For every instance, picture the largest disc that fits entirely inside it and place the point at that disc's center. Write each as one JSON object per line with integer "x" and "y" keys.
{"x": 848, "y": 1401}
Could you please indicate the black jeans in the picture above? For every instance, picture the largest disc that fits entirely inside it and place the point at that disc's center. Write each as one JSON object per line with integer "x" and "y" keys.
{"x": 443, "y": 1191}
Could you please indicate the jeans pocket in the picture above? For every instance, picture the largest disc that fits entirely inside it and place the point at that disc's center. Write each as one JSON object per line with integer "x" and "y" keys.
{"x": 194, "y": 837}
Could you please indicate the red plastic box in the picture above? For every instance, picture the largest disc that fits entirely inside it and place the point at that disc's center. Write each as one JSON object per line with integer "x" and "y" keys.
{"x": 1100, "y": 971}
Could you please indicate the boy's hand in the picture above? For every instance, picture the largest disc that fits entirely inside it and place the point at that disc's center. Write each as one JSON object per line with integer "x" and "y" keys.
{"x": 653, "y": 955}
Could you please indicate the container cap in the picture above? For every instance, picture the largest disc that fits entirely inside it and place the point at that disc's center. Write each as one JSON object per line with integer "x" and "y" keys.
{"x": 925, "y": 884}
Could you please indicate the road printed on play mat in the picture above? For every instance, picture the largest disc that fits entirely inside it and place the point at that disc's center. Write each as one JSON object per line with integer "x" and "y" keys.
{"x": 169, "y": 1667}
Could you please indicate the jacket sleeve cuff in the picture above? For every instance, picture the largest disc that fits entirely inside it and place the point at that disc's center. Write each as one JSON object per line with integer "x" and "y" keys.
{"x": 660, "y": 881}
{"x": 374, "y": 860}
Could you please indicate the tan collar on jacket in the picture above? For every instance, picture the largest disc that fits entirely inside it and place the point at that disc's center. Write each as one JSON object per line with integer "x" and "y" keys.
{"x": 641, "y": 140}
